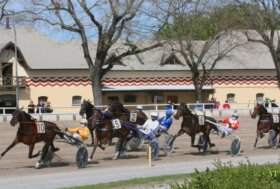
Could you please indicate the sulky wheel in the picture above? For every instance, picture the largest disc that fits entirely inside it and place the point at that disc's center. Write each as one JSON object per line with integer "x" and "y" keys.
{"x": 82, "y": 157}
{"x": 136, "y": 142}
{"x": 272, "y": 138}
{"x": 235, "y": 147}
{"x": 168, "y": 149}
{"x": 202, "y": 144}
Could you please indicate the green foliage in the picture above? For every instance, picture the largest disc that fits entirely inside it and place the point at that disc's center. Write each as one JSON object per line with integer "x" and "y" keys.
{"x": 191, "y": 27}
{"x": 226, "y": 176}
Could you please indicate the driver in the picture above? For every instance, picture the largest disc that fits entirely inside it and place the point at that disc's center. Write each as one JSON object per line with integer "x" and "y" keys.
{"x": 230, "y": 125}
{"x": 165, "y": 121}
{"x": 149, "y": 128}
{"x": 80, "y": 133}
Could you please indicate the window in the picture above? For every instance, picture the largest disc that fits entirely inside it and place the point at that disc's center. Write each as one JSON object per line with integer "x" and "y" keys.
{"x": 76, "y": 100}
{"x": 130, "y": 98}
{"x": 158, "y": 98}
{"x": 259, "y": 97}
{"x": 42, "y": 98}
{"x": 113, "y": 99}
{"x": 230, "y": 98}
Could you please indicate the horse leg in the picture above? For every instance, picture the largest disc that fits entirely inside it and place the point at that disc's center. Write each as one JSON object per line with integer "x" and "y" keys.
{"x": 9, "y": 147}
{"x": 208, "y": 140}
{"x": 120, "y": 149}
{"x": 93, "y": 150}
{"x": 192, "y": 141}
{"x": 175, "y": 136}
{"x": 256, "y": 141}
{"x": 92, "y": 135}
{"x": 53, "y": 147}
{"x": 31, "y": 148}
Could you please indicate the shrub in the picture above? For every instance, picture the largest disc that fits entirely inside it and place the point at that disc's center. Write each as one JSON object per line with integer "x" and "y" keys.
{"x": 227, "y": 176}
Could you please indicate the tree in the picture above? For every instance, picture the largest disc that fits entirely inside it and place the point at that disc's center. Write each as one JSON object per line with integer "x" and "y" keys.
{"x": 203, "y": 37}
{"x": 110, "y": 22}
{"x": 3, "y": 12}
{"x": 263, "y": 16}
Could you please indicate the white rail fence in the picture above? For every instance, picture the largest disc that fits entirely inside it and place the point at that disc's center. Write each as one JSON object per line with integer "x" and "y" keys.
{"x": 72, "y": 113}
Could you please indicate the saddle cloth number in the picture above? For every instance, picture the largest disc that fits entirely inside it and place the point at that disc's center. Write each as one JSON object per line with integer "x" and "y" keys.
{"x": 116, "y": 124}
{"x": 133, "y": 117}
{"x": 41, "y": 127}
{"x": 201, "y": 120}
{"x": 275, "y": 118}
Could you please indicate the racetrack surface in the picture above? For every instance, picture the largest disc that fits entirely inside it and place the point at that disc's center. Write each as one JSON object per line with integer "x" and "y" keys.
{"x": 17, "y": 171}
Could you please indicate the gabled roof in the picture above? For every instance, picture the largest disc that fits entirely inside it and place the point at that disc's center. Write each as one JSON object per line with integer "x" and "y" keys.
{"x": 41, "y": 52}
{"x": 20, "y": 57}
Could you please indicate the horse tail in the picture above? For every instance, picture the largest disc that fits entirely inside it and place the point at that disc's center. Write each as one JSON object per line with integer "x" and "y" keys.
{"x": 56, "y": 129}
{"x": 59, "y": 132}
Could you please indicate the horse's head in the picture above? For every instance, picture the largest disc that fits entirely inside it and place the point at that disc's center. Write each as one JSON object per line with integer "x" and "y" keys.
{"x": 86, "y": 108}
{"x": 259, "y": 109}
{"x": 141, "y": 118}
{"x": 117, "y": 109}
{"x": 182, "y": 110}
{"x": 18, "y": 116}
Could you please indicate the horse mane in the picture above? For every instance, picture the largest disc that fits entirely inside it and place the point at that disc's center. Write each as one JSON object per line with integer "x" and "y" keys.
{"x": 121, "y": 106}
{"x": 263, "y": 109}
{"x": 28, "y": 116}
{"x": 184, "y": 105}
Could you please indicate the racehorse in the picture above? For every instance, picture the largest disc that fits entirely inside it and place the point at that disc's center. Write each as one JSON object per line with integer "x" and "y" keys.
{"x": 117, "y": 110}
{"x": 88, "y": 108}
{"x": 265, "y": 123}
{"x": 190, "y": 125}
{"x": 30, "y": 132}
{"x": 106, "y": 129}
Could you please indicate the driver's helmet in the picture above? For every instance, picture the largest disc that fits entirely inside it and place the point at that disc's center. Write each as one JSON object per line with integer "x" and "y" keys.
{"x": 139, "y": 107}
{"x": 154, "y": 114}
{"x": 235, "y": 116}
{"x": 169, "y": 112}
{"x": 83, "y": 122}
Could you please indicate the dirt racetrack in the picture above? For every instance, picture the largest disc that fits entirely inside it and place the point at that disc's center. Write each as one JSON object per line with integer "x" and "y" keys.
{"x": 16, "y": 163}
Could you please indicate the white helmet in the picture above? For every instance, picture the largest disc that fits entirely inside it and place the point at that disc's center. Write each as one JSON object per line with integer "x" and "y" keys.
{"x": 139, "y": 107}
{"x": 83, "y": 121}
{"x": 154, "y": 114}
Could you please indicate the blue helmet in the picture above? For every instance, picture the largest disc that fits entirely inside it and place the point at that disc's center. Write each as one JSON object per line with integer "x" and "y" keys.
{"x": 169, "y": 112}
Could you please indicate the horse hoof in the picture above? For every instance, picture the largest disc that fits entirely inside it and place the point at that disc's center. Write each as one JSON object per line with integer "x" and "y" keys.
{"x": 212, "y": 145}
{"x": 253, "y": 148}
{"x": 89, "y": 159}
{"x": 38, "y": 165}
{"x": 56, "y": 149}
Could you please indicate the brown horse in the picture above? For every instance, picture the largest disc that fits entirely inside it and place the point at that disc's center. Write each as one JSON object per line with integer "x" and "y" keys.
{"x": 106, "y": 129}
{"x": 190, "y": 125}
{"x": 30, "y": 133}
{"x": 88, "y": 108}
{"x": 117, "y": 110}
{"x": 265, "y": 123}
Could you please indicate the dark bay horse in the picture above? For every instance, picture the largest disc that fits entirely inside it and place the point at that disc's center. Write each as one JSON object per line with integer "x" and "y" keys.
{"x": 265, "y": 122}
{"x": 106, "y": 129}
{"x": 117, "y": 110}
{"x": 30, "y": 132}
{"x": 88, "y": 108}
{"x": 190, "y": 125}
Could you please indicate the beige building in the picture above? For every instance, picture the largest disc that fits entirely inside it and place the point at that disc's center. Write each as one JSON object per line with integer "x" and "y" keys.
{"x": 57, "y": 72}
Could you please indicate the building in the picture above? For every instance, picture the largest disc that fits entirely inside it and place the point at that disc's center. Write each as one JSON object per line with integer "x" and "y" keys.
{"x": 57, "y": 72}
